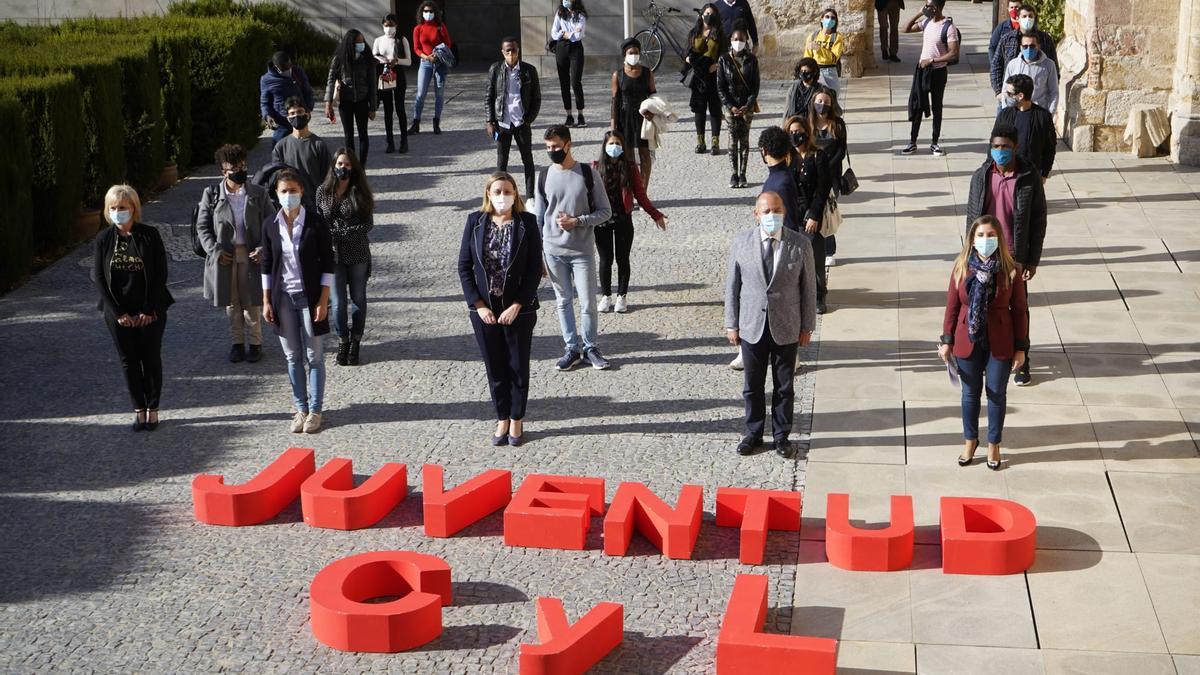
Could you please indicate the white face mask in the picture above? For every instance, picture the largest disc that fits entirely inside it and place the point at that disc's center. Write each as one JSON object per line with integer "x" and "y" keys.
{"x": 737, "y": 45}
{"x": 428, "y": 16}
{"x": 502, "y": 203}
{"x": 633, "y": 59}
{"x": 120, "y": 217}
{"x": 770, "y": 222}
{"x": 1027, "y": 23}
{"x": 288, "y": 200}
{"x": 389, "y": 31}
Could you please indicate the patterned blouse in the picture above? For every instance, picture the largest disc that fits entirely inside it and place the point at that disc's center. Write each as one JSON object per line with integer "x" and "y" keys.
{"x": 497, "y": 246}
{"x": 349, "y": 230}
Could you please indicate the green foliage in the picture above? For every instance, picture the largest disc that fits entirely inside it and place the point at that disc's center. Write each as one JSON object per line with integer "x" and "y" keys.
{"x": 1050, "y": 17}
{"x": 142, "y": 109}
{"x": 174, "y": 52}
{"x": 52, "y": 109}
{"x": 16, "y": 227}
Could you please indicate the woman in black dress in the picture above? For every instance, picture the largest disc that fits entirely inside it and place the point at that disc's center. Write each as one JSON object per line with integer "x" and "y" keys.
{"x": 631, "y": 85}
{"x": 813, "y": 183}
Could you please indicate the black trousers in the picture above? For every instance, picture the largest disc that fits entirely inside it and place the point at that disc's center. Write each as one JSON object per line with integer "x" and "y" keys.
{"x": 818, "y": 247}
{"x": 505, "y": 351}
{"x": 393, "y": 103}
{"x": 524, "y": 138}
{"x": 937, "y": 91}
{"x": 712, "y": 104}
{"x": 355, "y": 113}
{"x": 568, "y": 56}
{"x": 782, "y": 359}
{"x": 615, "y": 241}
{"x": 140, "y": 350}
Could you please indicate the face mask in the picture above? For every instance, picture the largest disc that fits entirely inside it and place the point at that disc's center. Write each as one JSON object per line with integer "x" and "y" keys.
{"x": 502, "y": 203}
{"x": 1030, "y": 53}
{"x": 614, "y": 150}
{"x": 770, "y": 222}
{"x": 298, "y": 121}
{"x": 633, "y": 59}
{"x": 710, "y": 19}
{"x": 239, "y": 177}
{"x": 389, "y": 31}
{"x": 986, "y": 246}
{"x": 799, "y": 138}
{"x": 1001, "y": 157}
{"x": 1027, "y": 23}
{"x": 428, "y": 16}
{"x": 738, "y": 45}
{"x": 1012, "y": 13}
{"x": 557, "y": 156}
{"x": 566, "y": 4}
{"x": 821, "y": 108}
{"x": 341, "y": 172}
{"x": 807, "y": 75}
{"x": 828, "y": 24}
{"x": 288, "y": 200}
{"x": 120, "y": 217}
{"x": 360, "y": 47}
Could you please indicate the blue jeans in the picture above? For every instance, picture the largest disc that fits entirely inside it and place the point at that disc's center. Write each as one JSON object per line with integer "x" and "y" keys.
{"x": 426, "y": 72}
{"x": 972, "y": 373}
{"x": 571, "y": 276}
{"x": 354, "y": 277}
{"x": 280, "y": 133}
{"x": 296, "y": 334}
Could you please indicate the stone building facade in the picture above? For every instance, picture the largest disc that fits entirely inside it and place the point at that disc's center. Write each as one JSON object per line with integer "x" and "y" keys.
{"x": 1119, "y": 53}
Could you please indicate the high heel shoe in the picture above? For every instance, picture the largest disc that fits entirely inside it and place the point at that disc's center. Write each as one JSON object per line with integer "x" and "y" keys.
{"x": 994, "y": 466}
{"x": 966, "y": 461}
{"x": 151, "y": 425}
{"x": 139, "y": 420}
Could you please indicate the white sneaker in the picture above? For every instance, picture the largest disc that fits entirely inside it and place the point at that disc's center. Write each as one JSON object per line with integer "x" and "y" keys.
{"x": 830, "y": 260}
{"x": 313, "y": 424}
{"x": 605, "y": 303}
{"x": 621, "y": 306}
{"x": 298, "y": 422}
{"x": 736, "y": 363}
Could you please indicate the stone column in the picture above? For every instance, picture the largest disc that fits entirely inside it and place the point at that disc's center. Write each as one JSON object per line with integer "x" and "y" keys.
{"x": 1185, "y": 98}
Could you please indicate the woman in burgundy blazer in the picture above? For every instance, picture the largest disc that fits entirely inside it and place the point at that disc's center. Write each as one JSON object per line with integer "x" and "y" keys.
{"x": 985, "y": 330}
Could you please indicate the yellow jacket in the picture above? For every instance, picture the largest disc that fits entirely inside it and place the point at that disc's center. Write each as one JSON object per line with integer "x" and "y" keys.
{"x": 829, "y": 48}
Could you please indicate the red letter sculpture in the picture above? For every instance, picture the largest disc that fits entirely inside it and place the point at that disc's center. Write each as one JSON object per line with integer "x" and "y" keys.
{"x": 757, "y": 511}
{"x": 449, "y": 512}
{"x": 853, "y": 548}
{"x": 329, "y": 499}
{"x": 567, "y": 649}
{"x": 743, "y": 648}
{"x": 986, "y": 536}
{"x": 257, "y": 500}
{"x": 553, "y": 511}
{"x": 673, "y": 531}
{"x": 342, "y": 620}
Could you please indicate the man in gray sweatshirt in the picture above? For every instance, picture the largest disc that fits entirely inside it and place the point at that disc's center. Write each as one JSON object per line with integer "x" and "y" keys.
{"x": 570, "y": 202}
{"x": 303, "y": 150}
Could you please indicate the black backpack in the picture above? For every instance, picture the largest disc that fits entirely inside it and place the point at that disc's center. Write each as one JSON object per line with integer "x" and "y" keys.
{"x": 946, "y": 41}
{"x": 210, "y": 204}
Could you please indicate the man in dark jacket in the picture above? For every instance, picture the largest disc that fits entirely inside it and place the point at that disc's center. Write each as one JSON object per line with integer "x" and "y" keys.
{"x": 888, "y": 12}
{"x": 283, "y": 80}
{"x": 513, "y": 98}
{"x": 731, "y": 12}
{"x": 1009, "y": 189}
{"x": 1009, "y": 46}
{"x": 1037, "y": 139}
{"x": 1006, "y": 25}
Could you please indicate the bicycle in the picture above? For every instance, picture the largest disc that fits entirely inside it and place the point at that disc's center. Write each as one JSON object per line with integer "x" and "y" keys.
{"x": 651, "y": 38}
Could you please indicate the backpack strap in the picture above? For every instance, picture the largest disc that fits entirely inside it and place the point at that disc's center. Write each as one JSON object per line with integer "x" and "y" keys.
{"x": 589, "y": 182}
{"x": 542, "y": 185}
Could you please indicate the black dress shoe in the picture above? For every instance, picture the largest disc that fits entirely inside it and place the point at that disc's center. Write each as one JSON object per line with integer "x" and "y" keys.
{"x": 254, "y": 355}
{"x": 237, "y": 354}
{"x": 785, "y": 449}
{"x": 821, "y": 308}
{"x": 437, "y": 126}
{"x": 747, "y": 445}
{"x": 139, "y": 421}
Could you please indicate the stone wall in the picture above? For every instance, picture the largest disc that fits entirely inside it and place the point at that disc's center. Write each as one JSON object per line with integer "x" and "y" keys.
{"x": 1114, "y": 54}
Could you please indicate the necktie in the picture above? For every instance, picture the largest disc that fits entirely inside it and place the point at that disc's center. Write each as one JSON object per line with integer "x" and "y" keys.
{"x": 768, "y": 260}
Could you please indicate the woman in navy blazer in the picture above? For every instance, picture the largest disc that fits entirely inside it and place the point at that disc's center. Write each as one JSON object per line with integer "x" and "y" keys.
{"x": 500, "y": 267}
{"x": 297, "y": 272}
{"x": 985, "y": 330}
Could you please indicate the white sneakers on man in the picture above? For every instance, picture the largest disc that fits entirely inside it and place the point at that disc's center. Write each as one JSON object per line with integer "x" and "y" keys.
{"x": 605, "y": 304}
{"x": 621, "y": 306}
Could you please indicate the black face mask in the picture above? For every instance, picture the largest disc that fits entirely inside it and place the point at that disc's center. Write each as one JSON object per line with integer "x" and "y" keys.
{"x": 710, "y": 19}
{"x": 341, "y": 172}
{"x": 799, "y": 138}
{"x": 298, "y": 121}
{"x": 557, "y": 156}
{"x": 807, "y": 75}
{"x": 239, "y": 177}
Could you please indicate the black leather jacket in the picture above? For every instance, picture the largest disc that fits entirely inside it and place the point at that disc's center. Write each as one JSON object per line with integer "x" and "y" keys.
{"x": 734, "y": 93}
{"x": 531, "y": 92}
{"x": 358, "y": 80}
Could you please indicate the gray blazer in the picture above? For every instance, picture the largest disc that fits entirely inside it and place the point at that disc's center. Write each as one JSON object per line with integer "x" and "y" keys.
{"x": 215, "y": 229}
{"x": 790, "y": 301}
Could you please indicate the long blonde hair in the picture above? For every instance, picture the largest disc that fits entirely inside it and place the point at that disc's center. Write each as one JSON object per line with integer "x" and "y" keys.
{"x": 1008, "y": 266}
{"x": 518, "y": 203}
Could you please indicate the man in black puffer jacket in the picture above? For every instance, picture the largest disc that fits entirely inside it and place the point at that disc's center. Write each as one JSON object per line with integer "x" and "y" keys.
{"x": 1010, "y": 189}
{"x": 513, "y": 98}
{"x": 1037, "y": 140}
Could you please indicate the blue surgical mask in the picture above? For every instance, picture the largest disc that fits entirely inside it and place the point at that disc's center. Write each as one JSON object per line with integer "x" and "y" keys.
{"x": 428, "y": 16}
{"x": 770, "y": 222}
{"x": 566, "y": 4}
{"x": 1026, "y": 24}
{"x": 986, "y": 246}
{"x": 828, "y": 24}
{"x": 1002, "y": 157}
{"x": 614, "y": 150}
{"x": 360, "y": 47}
{"x": 1030, "y": 53}
{"x": 288, "y": 200}
{"x": 120, "y": 217}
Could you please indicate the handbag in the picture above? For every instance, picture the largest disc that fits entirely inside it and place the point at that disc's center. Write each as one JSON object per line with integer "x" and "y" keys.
{"x": 387, "y": 79}
{"x": 551, "y": 45}
{"x": 831, "y": 221}
{"x": 848, "y": 183}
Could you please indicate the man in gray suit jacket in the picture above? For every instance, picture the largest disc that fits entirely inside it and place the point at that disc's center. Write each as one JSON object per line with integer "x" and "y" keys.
{"x": 771, "y": 311}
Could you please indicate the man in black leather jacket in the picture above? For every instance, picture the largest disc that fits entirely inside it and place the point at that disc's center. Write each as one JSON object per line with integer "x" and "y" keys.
{"x": 512, "y": 98}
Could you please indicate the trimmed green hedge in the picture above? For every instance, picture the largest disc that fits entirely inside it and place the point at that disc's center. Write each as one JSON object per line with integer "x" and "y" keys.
{"x": 16, "y": 171}
{"x": 174, "y": 53}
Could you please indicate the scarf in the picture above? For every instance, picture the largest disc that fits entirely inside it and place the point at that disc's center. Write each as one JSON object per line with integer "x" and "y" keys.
{"x": 981, "y": 288}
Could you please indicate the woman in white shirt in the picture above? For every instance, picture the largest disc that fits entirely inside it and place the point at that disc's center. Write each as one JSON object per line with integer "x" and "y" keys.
{"x": 570, "y": 21}
{"x": 392, "y": 52}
